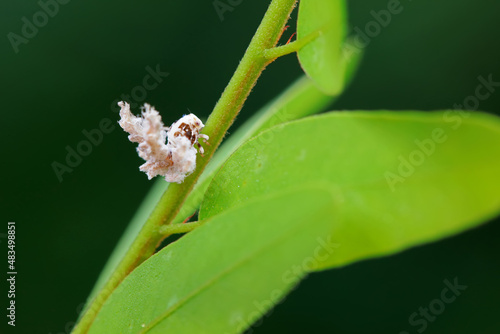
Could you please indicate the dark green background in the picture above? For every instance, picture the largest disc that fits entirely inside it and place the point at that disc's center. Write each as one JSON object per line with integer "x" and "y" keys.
{"x": 64, "y": 80}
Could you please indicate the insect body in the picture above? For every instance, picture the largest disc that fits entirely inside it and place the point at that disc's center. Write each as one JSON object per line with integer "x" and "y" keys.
{"x": 189, "y": 126}
{"x": 182, "y": 137}
{"x": 175, "y": 159}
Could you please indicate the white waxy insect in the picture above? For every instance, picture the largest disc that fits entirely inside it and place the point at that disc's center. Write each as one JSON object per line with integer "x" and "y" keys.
{"x": 175, "y": 159}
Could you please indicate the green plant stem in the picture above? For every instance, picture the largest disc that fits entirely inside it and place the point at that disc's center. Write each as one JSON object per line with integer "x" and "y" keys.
{"x": 221, "y": 118}
{"x": 279, "y": 51}
{"x": 168, "y": 230}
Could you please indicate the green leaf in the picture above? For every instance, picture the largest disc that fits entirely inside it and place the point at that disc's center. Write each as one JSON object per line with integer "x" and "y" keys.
{"x": 400, "y": 178}
{"x": 227, "y": 273}
{"x": 323, "y": 59}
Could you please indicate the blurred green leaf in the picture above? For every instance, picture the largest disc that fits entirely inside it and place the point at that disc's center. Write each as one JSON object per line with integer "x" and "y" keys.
{"x": 323, "y": 59}
{"x": 400, "y": 178}
{"x": 227, "y": 273}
